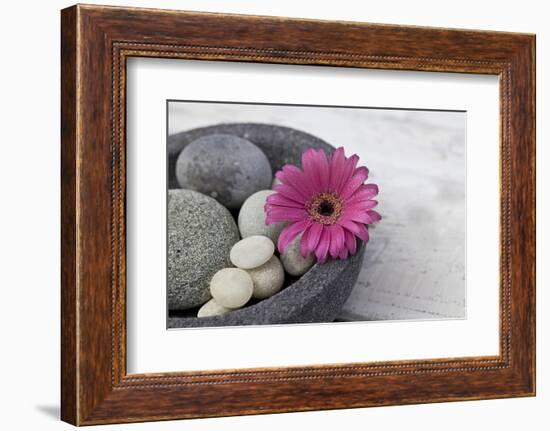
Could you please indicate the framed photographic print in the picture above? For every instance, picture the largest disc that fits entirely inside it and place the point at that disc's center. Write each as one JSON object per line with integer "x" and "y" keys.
{"x": 264, "y": 215}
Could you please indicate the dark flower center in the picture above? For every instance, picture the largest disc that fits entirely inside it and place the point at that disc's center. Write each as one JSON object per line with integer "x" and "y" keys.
{"x": 325, "y": 208}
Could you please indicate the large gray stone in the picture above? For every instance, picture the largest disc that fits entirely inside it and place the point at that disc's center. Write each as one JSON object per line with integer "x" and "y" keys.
{"x": 225, "y": 167}
{"x": 281, "y": 145}
{"x": 201, "y": 233}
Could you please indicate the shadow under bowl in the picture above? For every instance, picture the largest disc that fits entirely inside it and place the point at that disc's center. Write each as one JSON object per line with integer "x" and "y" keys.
{"x": 318, "y": 295}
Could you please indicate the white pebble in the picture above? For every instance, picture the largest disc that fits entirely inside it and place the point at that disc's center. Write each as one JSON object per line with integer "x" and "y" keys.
{"x": 268, "y": 279}
{"x": 293, "y": 261}
{"x": 211, "y": 308}
{"x": 251, "y": 218}
{"x": 251, "y": 252}
{"x": 231, "y": 287}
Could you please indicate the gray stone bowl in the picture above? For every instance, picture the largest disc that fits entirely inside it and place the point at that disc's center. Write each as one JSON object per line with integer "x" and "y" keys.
{"x": 319, "y": 294}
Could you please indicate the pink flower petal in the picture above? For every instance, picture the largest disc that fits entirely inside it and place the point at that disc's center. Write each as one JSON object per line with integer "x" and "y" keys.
{"x": 286, "y": 214}
{"x": 270, "y": 220}
{"x": 374, "y": 217}
{"x": 290, "y": 193}
{"x": 356, "y": 216}
{"x": 309, "y": 165}
{"x": 290, "y": 232}
{"x": 364, "y": 192}
{"x": 277, "y": 199}
{"x": 360, "y": 213}
{"x": 278, "y": 218}
{"x": 363, "y": 206}
{"x": 321, "y": 252}
{"x": 323, "y": 170}
{"x": 358, "y": 178}
{"x": 310, "y": 239}
{"x": 283, "y": 176}
{"x": 357, "y": 229}
{"x": 337, "y": 169}
{"x": 362, "y": 169}
{"x": 336, "y": 240}
{"x": 343, "y": 253}
{"x": 349, "y": 170}
{"x": 303, "y": 248}
{"x": 293, "y": 176}
{"x": 351, "y": 242}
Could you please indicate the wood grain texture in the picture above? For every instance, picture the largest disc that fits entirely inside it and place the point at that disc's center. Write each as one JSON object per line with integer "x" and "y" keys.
{"x": 95, "y": 44}
{"x": 68, "y": 217}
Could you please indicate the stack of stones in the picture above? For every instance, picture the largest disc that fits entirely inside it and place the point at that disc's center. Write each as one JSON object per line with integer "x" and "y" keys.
{"x": 213, "y": 262}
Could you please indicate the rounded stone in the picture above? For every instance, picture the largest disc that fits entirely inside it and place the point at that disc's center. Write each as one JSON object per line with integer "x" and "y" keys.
{"x": 201, "y": 233}
{"x": 212, "y": 308}
{"x": 268, "y": 278}
{"x": 251, "y": 252}
{"x": 231, "y": 287}
{"x": 293, "y": 261}
{"x": 225, "y": 167}
{"x": 251, "y": 218}
{"x": 317, "y": 296}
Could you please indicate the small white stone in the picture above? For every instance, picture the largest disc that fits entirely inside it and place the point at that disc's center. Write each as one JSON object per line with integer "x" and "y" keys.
{"x": 251, "y": 218}
{"x": 268, "y": 279}
{"x": 211, "y": 308}
{"x": 293, "y": 261}
{"x": 251, "y": 252}
{"x": 231, "y": 287}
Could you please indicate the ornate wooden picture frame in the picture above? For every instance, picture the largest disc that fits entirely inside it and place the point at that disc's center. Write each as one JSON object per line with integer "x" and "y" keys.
{"x": 96, "y": 41}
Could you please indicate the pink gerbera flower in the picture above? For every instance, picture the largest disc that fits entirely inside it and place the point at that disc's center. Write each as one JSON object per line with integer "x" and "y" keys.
{"x": 327, "y": 202}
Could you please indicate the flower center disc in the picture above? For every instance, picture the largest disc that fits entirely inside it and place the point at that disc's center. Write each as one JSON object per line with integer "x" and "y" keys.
{"x": 325, "y": 208}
